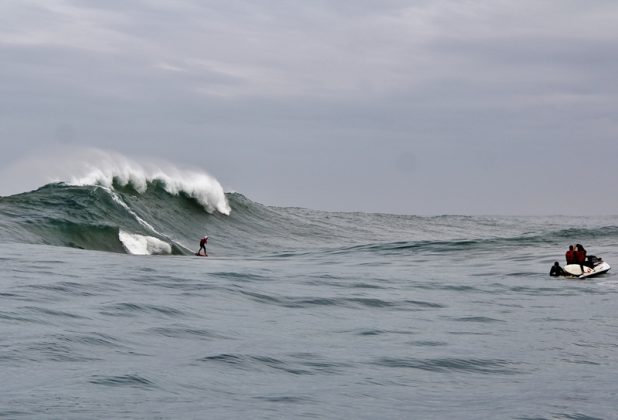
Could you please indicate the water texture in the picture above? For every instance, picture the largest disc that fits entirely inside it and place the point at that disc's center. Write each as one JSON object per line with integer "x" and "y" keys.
{"x": 296, "y": 313}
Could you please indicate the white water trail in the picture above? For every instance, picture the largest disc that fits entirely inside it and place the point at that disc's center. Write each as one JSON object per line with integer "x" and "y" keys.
{"x": 124, "y": 205}
{"x": 143, "y": 245}
{"x": 117, "y": 199}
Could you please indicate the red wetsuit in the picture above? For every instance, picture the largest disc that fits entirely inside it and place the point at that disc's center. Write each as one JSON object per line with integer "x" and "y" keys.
{"x": 570, "y": 257}
{"x": 580, "y": 257}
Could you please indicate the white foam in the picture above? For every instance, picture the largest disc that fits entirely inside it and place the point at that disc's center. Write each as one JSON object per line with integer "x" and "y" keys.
{"x": 143, "y": 245}
{"x": 124, "y": 205}
{"x": 102, "y": 168}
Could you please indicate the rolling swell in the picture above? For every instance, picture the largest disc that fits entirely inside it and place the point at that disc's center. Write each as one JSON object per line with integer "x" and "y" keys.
{"x": 479, "y": 245}
{"x": 126, "y": 217}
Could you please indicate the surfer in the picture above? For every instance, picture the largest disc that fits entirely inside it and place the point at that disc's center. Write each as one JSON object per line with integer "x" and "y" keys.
{"x": 570, "y": 255}
{"x": 203, "y": 243}
{"x": 580, "y": 256}
{"x": 556, "y": 270}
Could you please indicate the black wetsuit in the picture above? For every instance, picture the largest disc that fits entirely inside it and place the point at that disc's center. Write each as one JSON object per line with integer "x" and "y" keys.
{"x": 203, "y": 243}
{"x": 556, "y": 271}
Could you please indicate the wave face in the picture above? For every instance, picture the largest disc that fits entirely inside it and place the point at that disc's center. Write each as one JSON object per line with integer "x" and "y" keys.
{"x": 160, "y": 216}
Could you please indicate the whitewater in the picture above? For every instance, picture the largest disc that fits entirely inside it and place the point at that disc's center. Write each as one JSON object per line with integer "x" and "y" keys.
{"x": 105, "y": 311}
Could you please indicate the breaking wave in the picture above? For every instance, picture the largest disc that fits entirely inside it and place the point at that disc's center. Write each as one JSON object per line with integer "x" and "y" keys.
{"x": 113, "y": 171}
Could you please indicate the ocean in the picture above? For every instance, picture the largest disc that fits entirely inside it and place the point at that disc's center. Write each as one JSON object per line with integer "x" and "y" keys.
{"x": 105, "y": 311}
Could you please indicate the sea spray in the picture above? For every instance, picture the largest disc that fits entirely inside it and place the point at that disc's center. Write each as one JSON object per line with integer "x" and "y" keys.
{"x": 86, "y": 166}
{"x": 110, "y": 169}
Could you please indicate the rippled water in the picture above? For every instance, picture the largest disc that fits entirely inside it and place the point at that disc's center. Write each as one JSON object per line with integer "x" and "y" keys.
{"x": 87, "y": 334}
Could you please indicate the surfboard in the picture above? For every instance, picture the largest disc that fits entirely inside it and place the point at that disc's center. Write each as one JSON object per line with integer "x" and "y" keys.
{"x": 575, "y": 269}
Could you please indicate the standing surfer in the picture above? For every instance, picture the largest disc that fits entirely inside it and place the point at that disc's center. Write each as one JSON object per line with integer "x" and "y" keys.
{"x": 203, "y": 243}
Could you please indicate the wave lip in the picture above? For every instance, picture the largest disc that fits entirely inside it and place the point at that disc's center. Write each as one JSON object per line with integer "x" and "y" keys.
{"x": 113, "y": 169}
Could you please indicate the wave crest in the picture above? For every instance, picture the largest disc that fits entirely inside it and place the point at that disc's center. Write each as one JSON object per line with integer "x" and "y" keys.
{"x": 111, "y": 170}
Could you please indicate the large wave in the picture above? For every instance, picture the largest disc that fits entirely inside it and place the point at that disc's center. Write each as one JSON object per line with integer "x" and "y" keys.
{"x": 111, "y": 203}
{"x": 125, "y": 216}
{"x": 106, "y": 201}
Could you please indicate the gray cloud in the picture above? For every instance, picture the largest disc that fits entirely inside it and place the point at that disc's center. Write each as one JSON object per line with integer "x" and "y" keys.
{"x": 415, "y": 107}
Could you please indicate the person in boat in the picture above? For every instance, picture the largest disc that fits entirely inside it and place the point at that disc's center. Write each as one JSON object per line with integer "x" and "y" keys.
{"x": 203, "y": 243}
{"x": 570, "y": 255}
{"x": 556, "y": 270}
{"x": 580, "y": 256}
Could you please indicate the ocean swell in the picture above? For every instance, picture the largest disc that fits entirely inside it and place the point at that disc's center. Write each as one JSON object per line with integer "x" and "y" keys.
{"x": 144, "y": 216}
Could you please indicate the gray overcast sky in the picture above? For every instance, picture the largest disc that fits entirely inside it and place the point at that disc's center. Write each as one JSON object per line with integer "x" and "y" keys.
{"x": 418, "y": 107}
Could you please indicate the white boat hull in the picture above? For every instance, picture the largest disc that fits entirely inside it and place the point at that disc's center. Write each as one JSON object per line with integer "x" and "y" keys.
{"x": 575, "y": 270}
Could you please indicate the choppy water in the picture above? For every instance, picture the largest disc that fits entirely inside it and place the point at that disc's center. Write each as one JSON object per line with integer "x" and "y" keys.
{"x": 299, "y": 314}
{"x": 92, "y": 334}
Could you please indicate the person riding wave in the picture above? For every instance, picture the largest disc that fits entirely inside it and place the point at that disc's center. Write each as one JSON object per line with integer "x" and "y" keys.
{"x": 203, "y": 243}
